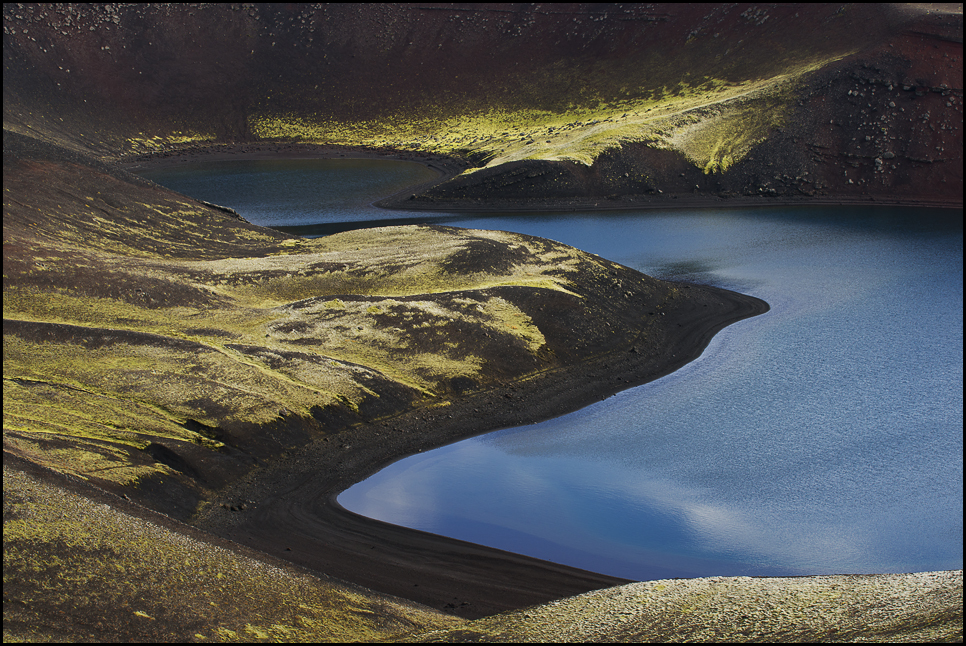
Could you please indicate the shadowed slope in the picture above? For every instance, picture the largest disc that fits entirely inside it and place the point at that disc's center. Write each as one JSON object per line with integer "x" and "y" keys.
{"x": 629, "y": 102}
{"x": 166, "y": 351}
{"x": 150, "y": 336}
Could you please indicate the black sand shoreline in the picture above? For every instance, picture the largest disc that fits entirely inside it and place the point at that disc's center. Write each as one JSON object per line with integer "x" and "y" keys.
{"x": 296, "y": 516}
{"x": 293, "y": 513}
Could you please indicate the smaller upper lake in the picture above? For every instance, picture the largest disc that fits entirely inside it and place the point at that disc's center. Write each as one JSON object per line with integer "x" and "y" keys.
{"x": 825, "y": 436}
{"x": 296, "y": 192}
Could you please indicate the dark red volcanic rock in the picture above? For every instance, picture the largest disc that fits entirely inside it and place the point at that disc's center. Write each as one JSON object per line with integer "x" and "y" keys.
{"x": 885, "y": 120}
{"x": 123, "y": 320}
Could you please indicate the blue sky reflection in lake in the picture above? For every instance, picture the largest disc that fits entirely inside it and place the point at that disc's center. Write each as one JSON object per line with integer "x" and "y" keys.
{"x": 824, "y": 436}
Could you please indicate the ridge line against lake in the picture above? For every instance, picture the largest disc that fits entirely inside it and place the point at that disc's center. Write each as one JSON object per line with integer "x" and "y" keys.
{"x": 161, "y": 353}
{"x": 501, "y": 587}
{"x": 322, "y": 536}
{"x": 448, "y": 167}
{"x": 220, "y": 299}
{"x": 475, "y": 224}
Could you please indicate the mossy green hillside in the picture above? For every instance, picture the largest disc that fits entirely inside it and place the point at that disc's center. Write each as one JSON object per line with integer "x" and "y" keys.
{"x": 142, "y": 143}
{"x": 79, "y": 570}
{"x": 717, "y": 137}
{"x": 714, "y": 122}
{"x": 396, "y": 261}
{"x": 86, "y": 211}
{"x": 120, "y": 350}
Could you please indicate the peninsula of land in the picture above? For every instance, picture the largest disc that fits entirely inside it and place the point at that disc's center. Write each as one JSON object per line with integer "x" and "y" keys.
{"x": 185, "y": 392}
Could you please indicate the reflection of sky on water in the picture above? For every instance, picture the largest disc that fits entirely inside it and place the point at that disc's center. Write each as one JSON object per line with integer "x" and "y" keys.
{"x": 647, "y": 526}
{"x": 823, "y": 436}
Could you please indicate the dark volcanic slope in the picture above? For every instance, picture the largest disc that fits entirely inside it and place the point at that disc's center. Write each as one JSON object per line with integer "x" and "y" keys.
{"x": 222, "y": 373}
{"x": 627, "y": 102}
{"x": 165, "y": 351}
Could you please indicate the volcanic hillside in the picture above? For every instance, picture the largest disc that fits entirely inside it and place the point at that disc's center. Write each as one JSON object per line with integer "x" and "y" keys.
{"x": 553, "y": 101}
{"x": 185, "y": 392}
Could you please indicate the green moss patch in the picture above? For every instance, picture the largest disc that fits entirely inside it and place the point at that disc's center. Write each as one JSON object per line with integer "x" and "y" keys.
{"x": 75, "y": 569}
{"x": 149, "y": 337}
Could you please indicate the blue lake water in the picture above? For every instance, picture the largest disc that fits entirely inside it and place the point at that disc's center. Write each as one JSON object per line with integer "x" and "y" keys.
{"x": 285, "y": 193}
{"x": 825, "y": 436}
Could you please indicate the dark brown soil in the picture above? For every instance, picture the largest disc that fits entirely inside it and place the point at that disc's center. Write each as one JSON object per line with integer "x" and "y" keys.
{"x": 89, "y": 85}
{"x": 882, "y": 122}
{"x": 607, "y": 337}
{"x": 291, "y": 511}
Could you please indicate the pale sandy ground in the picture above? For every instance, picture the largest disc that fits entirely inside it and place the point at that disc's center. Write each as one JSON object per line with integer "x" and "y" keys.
{"x": 922, "y": 607}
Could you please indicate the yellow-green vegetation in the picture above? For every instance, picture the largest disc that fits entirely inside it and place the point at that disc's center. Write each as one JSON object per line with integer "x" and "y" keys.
{"x": 168, "y": 343}
{"x": 923, "y": 607}
{"x": 86, "y": 223}
{"x": 393, "y": 261}
{"x": 142, "y": 143}
{"x": 722, "y": 136}
{"x": 713, "y": 122}
{"x": 78, "y": 570}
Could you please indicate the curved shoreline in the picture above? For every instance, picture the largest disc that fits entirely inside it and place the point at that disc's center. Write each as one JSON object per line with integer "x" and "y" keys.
{"x": 463, "y": 578}
{"x": 294, "y": 514}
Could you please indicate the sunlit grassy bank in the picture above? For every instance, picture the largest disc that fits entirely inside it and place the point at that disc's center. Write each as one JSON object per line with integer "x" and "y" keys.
{"x": 158, "y": 352}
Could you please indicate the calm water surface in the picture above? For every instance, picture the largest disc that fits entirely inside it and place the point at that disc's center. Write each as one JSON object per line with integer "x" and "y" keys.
{"x": 289, "y": 193}
{"x": 825, "y": 436}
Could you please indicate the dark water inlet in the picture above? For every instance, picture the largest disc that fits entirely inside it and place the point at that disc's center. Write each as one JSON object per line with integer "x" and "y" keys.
{"x": 824, "y": 436}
